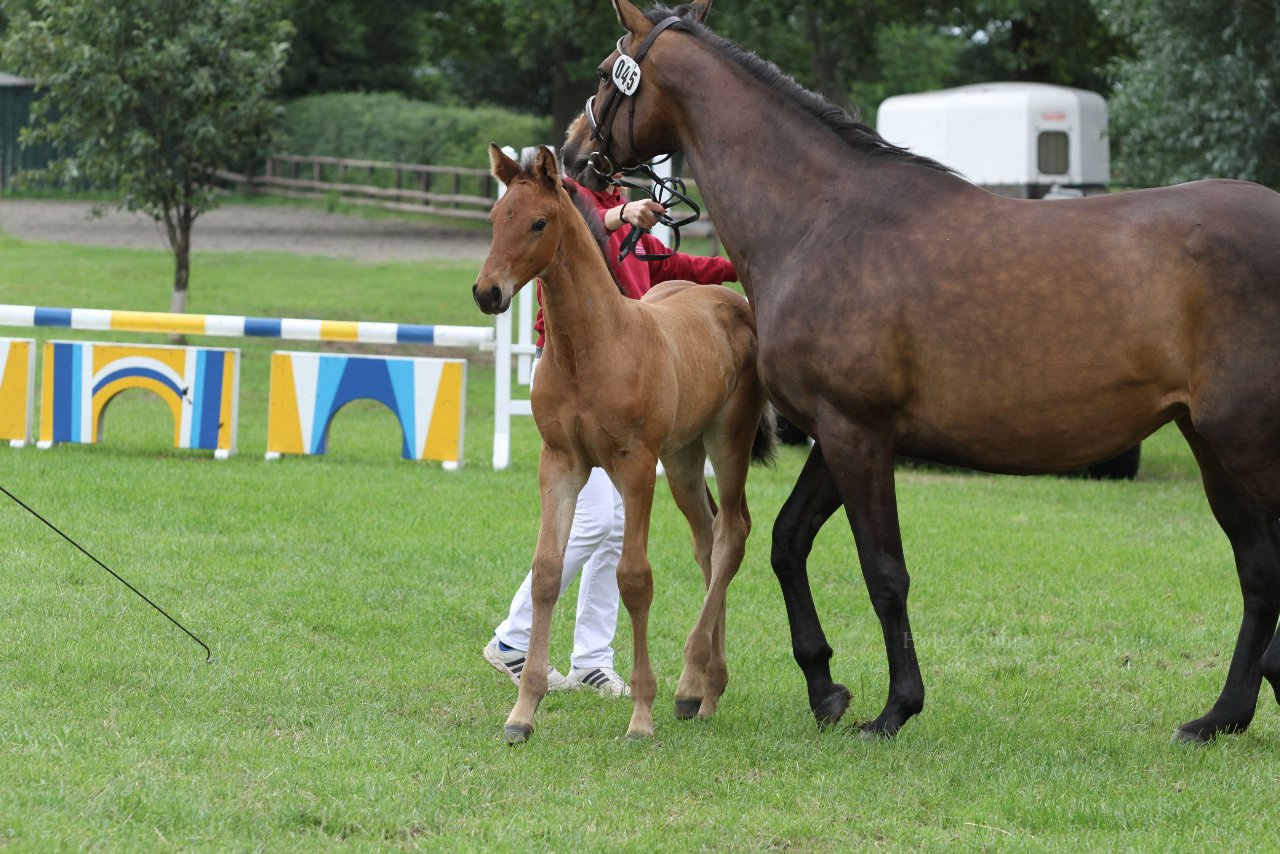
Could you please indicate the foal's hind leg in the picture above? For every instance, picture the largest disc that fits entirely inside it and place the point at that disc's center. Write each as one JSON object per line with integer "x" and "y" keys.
{"x": 705, "y": 648}
{"x": 689, "y": 489}
{"x": 812, "y": 501}
{"x": 1255, "y": 540}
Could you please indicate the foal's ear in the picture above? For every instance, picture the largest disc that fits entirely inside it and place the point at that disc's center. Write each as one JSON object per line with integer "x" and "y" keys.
{"x": 501, "y": 166}
{"x": 698, "y": 10}
{"x": 632, "y": 18}
{"x": 546, "y": 166}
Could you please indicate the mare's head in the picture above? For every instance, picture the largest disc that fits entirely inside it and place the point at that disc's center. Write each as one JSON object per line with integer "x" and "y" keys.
{"x": 629, "y": 119}
{"x": 526, "y": 227}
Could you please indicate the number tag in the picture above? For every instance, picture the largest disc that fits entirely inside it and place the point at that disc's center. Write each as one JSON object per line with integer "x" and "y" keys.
{"x": 626, "y": 74}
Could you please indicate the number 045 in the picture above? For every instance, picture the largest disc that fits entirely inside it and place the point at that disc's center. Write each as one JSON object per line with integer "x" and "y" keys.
{"x": 626, "y": 74}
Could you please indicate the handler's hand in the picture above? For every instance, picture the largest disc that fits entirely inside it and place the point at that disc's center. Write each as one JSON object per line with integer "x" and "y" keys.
{"x": 643, "y": 213}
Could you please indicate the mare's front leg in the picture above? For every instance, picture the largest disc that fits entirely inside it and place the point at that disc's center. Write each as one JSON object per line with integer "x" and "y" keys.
{"x": 560, "y": 477}
{"x": 861, "y": 461}
{"x": 635, "y": 481}
{"x": 812, "y": 501}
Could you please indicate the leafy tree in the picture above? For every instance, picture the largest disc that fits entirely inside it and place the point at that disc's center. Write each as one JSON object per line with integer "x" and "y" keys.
{"x": 1037, "y": 41}
{"x": 535, "y": 55}
{"x": 152, "y": 97}
{"x": 1199, "y": 96}
{"x": 354, "y": 45}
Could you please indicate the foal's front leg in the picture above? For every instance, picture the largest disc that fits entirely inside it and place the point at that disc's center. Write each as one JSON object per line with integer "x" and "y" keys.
{"x": 561, "y": 478}
{"x": 635, "y": 481}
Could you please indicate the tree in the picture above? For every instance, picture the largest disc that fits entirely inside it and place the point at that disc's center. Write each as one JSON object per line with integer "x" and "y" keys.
{"x": 354, "y": 45}
{"x": 1038, "y": 41}
{"x": 536, "y": 55}
{"x": 1199, "y": 97}
{"x": 152, "y": 97}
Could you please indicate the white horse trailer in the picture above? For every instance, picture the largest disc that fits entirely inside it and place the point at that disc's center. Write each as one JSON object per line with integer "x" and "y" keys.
{"x": 1015, "y": 139}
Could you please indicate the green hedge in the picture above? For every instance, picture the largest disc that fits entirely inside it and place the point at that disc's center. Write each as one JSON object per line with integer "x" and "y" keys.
{"x": 389, "y": 126}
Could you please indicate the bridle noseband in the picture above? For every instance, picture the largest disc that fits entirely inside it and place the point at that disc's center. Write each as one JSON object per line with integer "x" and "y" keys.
{"x": 667, "y": 190}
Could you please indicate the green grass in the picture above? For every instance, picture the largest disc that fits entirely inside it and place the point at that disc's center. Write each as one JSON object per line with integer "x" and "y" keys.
{"x": 1065, "y": 628}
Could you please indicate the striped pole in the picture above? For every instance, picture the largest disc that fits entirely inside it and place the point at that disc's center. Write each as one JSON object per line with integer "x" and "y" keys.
{"x": 296, "y": 329}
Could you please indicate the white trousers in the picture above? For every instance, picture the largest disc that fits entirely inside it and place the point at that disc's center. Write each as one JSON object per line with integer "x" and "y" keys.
{"x": 595, "y": 546}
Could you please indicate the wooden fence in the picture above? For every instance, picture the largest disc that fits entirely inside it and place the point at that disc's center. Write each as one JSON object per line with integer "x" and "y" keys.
{"x": 450, "y": 191}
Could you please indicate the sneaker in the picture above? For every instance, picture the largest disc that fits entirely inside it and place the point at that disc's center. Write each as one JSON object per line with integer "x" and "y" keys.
{"x": 511, "y": 662}
{"x": 603, "y": 679}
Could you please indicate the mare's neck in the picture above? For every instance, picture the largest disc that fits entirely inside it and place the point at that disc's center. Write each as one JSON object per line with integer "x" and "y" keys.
{"x": 775, "y": 179}
{"x": 581, "y": 306}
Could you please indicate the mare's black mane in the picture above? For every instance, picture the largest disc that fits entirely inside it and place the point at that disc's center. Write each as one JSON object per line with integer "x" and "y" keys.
{"x": 849, "y": 128}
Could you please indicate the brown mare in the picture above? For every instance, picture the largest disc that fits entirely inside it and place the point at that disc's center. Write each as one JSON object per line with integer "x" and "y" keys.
{"x": 902, "y": 310}
{"x": 621, "y": 384}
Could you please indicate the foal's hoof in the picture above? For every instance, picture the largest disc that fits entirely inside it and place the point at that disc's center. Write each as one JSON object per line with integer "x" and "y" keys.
{"x": 687, "y": 709}
{"x": 832, "y": 707}
{"x": 516, "y": 733}
{"x": 639, "y": 736}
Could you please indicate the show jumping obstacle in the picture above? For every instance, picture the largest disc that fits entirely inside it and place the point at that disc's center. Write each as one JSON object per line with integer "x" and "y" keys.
{"x": 201, "y": 386}
{"x": 427, "y": 397}
{"x": 17, "y": 389}
{"x": 81, "y": 378}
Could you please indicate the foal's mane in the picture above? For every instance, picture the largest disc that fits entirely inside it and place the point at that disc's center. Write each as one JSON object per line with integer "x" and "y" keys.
{"x": 584, "y": 206}
{"x": 849, "y": 128}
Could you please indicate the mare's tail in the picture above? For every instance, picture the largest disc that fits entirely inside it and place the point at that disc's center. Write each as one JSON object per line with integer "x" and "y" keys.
{"x": 764, "y": 447}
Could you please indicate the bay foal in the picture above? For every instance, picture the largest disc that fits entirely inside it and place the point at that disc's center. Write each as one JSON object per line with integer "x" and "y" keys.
{"x": 621, "y": 384}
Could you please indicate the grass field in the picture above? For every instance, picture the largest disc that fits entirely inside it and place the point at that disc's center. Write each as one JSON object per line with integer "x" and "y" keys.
{"x": 1065, "y": 629}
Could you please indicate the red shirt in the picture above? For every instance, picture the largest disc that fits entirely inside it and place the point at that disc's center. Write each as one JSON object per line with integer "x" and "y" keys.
{"x": 636, "y": 276}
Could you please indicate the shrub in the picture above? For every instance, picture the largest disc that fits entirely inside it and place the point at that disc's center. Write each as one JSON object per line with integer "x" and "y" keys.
{"x": 389, "y": 126}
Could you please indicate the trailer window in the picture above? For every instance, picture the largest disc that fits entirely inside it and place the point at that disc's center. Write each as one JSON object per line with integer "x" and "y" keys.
{"x": 1052, "y": 148}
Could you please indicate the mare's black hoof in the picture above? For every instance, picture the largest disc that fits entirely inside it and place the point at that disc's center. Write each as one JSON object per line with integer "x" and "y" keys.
{"x": 832, "y": 707}
{"x": 687, "y": 709}
{"x": 516, "y": 733}
{"x": 1188, "y": 736}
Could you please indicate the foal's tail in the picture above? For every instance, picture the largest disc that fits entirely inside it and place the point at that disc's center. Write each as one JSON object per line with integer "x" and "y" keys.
{"x": 764, "y": 447}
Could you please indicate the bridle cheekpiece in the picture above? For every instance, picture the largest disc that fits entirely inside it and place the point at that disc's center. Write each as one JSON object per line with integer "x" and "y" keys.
{"x": 666, "y": 190}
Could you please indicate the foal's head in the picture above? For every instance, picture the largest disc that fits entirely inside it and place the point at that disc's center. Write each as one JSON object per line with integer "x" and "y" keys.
{"x": 527, "y": 223}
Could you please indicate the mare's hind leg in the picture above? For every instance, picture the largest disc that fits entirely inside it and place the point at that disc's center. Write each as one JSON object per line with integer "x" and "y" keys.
{"x": 861, "y": 461}
{"x": 689, "y": 489}
{"x": 812, "y": 501}
{"x": 1255, "y": 540}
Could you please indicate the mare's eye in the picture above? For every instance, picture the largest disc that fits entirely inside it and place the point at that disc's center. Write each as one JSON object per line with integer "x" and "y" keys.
{"x": 603, "y": 75}
{"x": 540, "y": 225}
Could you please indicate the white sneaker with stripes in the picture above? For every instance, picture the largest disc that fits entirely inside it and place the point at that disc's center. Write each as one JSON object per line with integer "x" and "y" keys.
{"x": 511, "y": 662}
{"x": 603, "y": 679}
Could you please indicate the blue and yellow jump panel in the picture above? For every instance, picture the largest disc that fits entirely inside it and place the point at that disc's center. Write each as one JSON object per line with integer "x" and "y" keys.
{"x": 17, "y": 389}
{"x": 427, "y": 396}
{"x": 201, "y": 385}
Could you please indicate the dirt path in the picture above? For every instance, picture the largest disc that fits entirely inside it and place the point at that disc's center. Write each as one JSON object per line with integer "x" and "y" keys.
{"x": 243, "y": 228}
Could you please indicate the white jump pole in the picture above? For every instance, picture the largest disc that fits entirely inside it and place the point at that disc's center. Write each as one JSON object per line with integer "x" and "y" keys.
{"x": 660, "y": 231}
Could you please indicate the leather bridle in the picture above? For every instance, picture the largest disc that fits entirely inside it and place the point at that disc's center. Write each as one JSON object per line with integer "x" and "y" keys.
{"x": 667, "y": 190}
